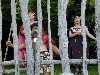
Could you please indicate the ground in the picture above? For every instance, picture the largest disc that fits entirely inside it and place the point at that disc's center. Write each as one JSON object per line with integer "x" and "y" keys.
{"x": 92, "y": 69}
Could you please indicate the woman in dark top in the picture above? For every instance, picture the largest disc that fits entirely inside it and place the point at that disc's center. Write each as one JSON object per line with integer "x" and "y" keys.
{"x": 75, "y": 42}
{"x": 76, "y": 39}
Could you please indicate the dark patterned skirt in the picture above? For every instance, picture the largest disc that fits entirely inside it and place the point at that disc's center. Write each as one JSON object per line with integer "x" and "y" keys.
{"x": 44, "y": 55}
{"x": 75, "y": 48}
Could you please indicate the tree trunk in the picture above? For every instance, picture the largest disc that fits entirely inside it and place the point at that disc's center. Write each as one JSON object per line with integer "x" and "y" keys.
{"x": 49, "y": 34}
{"x": 15, "y": 37}
{"x": 63, "y": 39}
{"x": 83, "y": 7}
{"x": 0, "y": 40}
{"x": 28, "y": 41}
{"x": 97, "y": 11}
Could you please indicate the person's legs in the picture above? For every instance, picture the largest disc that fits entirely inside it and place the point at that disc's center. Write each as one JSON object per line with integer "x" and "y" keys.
{"x": 24, "y": 55}
{"x": 21, "y": 57}
{"x": 20, "y": 54}
{"x": 45, "y": 73}
{"x": 43, "y": 70}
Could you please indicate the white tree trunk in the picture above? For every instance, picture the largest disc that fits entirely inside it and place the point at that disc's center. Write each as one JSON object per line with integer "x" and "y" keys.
{"x": 0, "y": 40}
{"x": 63, "y": 39}
{"x": 39, "y": 41}
{"x": 28, "y": 41}
{"x": 97, "y": 12}
{"x": 15, "y": 38}
{"x": 49, "y": 33}
{"x": 83, "y": 7}
{"x": 40, "y": 18}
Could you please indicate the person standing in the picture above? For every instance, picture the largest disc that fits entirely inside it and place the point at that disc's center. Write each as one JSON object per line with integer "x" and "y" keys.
{"x": 75, "y": 47}
{"x": 76, "y": 39}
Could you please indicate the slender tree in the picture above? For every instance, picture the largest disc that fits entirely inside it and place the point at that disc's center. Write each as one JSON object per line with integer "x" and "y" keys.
{"x": 0, "y": 40}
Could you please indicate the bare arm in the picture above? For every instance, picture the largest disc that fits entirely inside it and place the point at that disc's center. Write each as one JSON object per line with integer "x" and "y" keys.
{"x": 22, "y": 46}
{"x": 55, "y": 49}
{"x": 88, "y": 34}
{"x": 9, "y": 44}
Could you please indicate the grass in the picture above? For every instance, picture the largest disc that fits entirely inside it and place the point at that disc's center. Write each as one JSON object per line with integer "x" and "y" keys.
{"x": 21, "y": 73}
{"x": 92, "y": 70}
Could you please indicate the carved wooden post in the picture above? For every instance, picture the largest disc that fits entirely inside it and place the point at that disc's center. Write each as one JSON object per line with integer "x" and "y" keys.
{"x": 63, "y": 39}
{"x": 0, "y": 40}
{"x": 15, "y": 37}
{"x": 83, "y": 7}
{"x": 28, "y": 41}
{"x": 97, "y": 11}
{"x": 49, "y": 33}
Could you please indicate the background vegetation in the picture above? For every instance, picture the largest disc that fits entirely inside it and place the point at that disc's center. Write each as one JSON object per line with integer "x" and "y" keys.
{"x": 74, "y": 8}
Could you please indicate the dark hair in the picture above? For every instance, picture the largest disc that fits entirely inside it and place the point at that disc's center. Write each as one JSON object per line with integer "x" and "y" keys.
{"x": 76, "y": 15}
{"x": 33, "y": 10}
{"x": 19, "y": 24}
{"x": 45, "y": 25}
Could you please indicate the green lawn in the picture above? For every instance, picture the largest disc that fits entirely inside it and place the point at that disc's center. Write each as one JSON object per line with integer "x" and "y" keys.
{"x": 92, "y": 69}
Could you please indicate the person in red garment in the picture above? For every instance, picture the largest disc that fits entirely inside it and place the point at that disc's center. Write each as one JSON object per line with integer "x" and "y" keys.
{"x": 45, "y": 38}
{"x": 44, "y": 52}
{"x": 44, "y": 46}
{"x": 21, "y": 41}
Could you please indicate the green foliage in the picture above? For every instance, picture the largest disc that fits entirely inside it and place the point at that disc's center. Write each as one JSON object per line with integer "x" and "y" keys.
{"x": 90, "y": 13}
{"x": 32, "y": 5}
{"x": 74, "y": 8}
{"x": 90, "y": 23}
{"x": 18, "y": 11}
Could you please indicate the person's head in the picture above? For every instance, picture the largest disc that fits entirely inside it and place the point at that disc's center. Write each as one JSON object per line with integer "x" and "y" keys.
{"x": 34, "y": 31}
{"x": 21, "y": 29}
{"x": 31, "y": 17}
{"x": 77, "y": 20}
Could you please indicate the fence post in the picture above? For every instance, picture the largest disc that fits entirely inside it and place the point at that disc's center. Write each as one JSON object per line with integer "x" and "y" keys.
{"x": 49, "y": 34}
{"x": 15, "y": 38}
{"x": 63, "y": 39}
{"x": 28, "y": 41}
{"x": 97, "y": 20}
{"x": 39, "y": 41}
{"x": 83, "y": 7}
{"x": 1, "y": 70}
